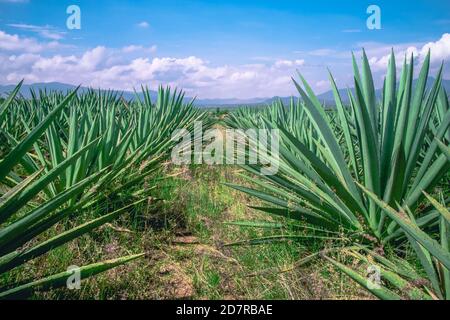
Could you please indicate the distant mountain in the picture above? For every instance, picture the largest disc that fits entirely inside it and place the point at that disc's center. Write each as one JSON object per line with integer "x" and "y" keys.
{"x": 326, "y": 97}
{"x": 25, "y": 90}
{"x": 230, "y": 101}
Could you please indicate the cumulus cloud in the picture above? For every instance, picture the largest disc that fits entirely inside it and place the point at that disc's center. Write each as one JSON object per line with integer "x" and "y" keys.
{"x": 130, "y": 66}
{"x": 193, "y": 74}
{"x": 381, "y": 63}
{"x": 440, "y": 51}
{"x": 15, "y": 43}
{"x": 91, "y": 59}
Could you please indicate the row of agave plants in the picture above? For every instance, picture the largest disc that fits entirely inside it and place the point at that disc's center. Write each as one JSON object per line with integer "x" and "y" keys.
{"x": 362, "y": 171}
{"x": 72, "y": 155}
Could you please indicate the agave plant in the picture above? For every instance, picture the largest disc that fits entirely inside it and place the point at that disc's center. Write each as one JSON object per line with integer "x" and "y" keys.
{"x": 71, "y": 156}
{"x": 388, "y": 146}
{"x": 401, "y": 280}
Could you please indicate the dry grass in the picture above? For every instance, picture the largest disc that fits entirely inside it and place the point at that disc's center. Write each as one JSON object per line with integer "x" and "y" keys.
{"x": 184, "y": 239}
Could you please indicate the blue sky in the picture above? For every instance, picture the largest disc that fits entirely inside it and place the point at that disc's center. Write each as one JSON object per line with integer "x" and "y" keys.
{"x": 212, "y": 48}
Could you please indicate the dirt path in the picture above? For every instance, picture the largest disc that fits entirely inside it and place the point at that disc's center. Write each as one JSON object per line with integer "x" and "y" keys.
{"x": 184, "y": 237}
{"x": 196, "y": 264}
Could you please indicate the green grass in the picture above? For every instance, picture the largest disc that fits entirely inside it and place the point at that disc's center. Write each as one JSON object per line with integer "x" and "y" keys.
{"x": 197, "y": 204}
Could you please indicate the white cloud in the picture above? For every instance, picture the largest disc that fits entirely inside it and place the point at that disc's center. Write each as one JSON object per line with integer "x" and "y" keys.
{"x": 143, "y": 24}
{"x": 138, "y": 48}
{"x": 193, "y": 74}
{"x": 323, "y": 85}
{"x": 15, "y": 43}
{"x": 130, "y": 66}
{"x": 289, "y": 63}
{"x": 381, "y": 64}
{"x": 243, "y": 76}
{"x": 132, "y": 48}
{"x": 440, "y": 50}
{"x": 23, "y": 60}
{"x": 92, "y": 58}
{"x": 47, "y": 32}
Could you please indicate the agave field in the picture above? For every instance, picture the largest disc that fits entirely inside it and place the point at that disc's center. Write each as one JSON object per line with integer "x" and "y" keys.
{"x": 368, "y": 180}
{"x": 363, "y": 172}
{"x": 77, "y": 155}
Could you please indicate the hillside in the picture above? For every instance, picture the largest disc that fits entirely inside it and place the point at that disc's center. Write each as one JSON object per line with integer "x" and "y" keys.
{"x": 326, "y": 97}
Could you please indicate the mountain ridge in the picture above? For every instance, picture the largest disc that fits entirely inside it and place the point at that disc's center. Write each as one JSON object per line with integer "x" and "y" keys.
{"x": 326, "y": 97}
{"x": 25, "y": 91}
